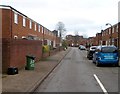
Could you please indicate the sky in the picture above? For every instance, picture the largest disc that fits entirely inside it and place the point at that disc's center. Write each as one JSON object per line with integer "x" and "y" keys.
{"x": 87, "y": 17}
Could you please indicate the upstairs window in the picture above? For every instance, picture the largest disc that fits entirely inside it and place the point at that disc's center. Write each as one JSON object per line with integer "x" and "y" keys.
{"x": 113, "y": 29}
{"x": 35, "y": 26}
{"x": 109, "y": 30}
{"x": 15, "y": 17}
{"x": 38, "y": 28}
{"x": 117, "y": 29}
{"x": 24, "y": 21}
{"x": 30, "y": 24}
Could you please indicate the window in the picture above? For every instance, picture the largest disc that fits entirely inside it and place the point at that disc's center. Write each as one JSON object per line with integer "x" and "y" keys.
{"x": 117, "y": 29}
{"x": 110, "y": 31}
{"x": 24, "y": 21}
{"x": 38, "y": 28}
{"x": 30, "y": 24}
{"x": 113, "y": 30}
{"x": 15, "y": 17}
{"x": 102, "y": 33}
{"x": 35, "y": 26}
{"x": 108, "y": 49}
{"x": 42, "y": 29}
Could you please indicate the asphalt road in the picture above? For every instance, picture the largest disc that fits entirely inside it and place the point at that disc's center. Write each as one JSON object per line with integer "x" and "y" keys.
{"x": 76, "y": 73}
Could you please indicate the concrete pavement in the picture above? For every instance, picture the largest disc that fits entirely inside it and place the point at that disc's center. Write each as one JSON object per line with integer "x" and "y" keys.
{"x": 29, "y": 80}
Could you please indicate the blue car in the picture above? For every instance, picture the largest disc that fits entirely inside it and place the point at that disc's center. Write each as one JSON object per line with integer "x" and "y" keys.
{"x": 106, "y": 55}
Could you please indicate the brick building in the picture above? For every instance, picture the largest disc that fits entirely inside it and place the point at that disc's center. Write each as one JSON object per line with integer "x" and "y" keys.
{"x": 98, "y": 39}
{"x": 75, "y": 40}
{"x": 106, "y": 37}
{"x": 22, "y": 36}
{"x": 18, "y": 26}
{"x": 110, "y": 36}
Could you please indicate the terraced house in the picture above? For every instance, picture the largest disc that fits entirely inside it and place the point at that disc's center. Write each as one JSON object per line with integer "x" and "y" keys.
{"x": 21, "y": 36}
{"x": 18, "y": 26}
{"x": 109, "y": 36}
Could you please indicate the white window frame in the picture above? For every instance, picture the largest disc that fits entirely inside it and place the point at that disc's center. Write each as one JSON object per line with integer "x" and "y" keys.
{"x": 30, "y": 24}
{"x": 102, "y": 34}
{"x": 117, "y": 29}
{"x": 54, "y": 43}
{"x": 16, "y": 17}
{"x": 35, "y": 27}
{"x": 109, "y": 30}
{"x": 113, "y": 29}
{"x": 38, "y": 28}
{"x": 24, "y": 21}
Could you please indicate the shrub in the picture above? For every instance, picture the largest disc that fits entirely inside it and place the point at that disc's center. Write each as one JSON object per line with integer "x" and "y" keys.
{"x": 45, "y": 48}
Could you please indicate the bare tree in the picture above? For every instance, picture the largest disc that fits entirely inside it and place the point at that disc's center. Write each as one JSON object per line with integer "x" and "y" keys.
{"x": 60, "y": 27}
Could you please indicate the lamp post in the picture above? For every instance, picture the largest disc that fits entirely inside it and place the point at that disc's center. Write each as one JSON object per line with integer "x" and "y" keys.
{"x": 110, "y": 33}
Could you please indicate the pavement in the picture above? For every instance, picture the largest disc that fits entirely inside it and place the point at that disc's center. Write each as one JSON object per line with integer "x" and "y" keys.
{"x": 29, "y": 80}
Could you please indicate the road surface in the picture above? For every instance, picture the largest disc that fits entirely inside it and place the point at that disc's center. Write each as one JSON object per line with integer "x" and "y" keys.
{"x": 76, "y": 73}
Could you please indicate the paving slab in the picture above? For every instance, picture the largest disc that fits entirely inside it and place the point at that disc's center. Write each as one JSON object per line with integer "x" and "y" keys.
{"x": 28, "y": 80}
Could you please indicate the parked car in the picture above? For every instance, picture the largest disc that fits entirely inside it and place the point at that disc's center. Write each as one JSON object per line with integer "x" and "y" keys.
{"x": 106, "y": 55}
{"x": 91, "y": 51}
{"x": 82, "y": 47}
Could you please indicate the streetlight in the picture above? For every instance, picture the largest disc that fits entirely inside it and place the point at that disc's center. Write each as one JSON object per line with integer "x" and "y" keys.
{"x": 111, "y": 33}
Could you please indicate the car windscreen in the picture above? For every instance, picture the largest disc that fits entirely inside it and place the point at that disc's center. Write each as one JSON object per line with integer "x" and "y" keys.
{"x": 108, "y": 50}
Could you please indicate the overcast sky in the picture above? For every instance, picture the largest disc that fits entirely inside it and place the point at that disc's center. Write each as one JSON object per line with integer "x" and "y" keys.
{"x": 87, "y": 17}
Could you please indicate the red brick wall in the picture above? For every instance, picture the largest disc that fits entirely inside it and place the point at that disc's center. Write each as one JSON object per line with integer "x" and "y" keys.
{"x": 6, "y": 23}
{"x": 5, "y": 54}
{"x": 20, "y": 30}
{"x": 15, "y": 51}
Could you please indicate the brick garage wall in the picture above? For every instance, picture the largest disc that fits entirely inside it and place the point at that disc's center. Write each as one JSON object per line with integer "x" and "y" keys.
{"x": 15, "y": 51}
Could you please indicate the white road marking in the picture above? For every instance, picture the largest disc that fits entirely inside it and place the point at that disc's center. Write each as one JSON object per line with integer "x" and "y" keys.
{"x": 101, "y": 85}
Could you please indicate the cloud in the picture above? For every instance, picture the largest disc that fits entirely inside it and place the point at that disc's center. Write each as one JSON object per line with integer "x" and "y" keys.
{"x": 86, "y": 16}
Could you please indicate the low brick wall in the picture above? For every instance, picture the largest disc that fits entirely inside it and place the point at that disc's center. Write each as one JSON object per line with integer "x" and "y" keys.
{"x": 14, "y": 52}
{"x": 52, "y": 52}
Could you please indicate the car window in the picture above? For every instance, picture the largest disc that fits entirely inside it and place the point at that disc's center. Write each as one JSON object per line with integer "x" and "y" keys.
{"x": 108, "y": 50}
{"x": 93, "y": 48}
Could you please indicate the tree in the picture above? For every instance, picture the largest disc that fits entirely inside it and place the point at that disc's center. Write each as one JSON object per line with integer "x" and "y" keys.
{"x": 60, "y": 27}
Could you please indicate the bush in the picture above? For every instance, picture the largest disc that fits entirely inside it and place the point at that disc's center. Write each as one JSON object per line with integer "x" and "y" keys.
{"x": 45, "y": 48}
{"x": 64, "y": 44}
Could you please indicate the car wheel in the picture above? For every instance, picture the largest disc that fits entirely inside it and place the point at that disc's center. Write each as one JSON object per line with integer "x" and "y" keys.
{"x": 89, "y": 58}
{"x": 116, "y": 65}
{"x": 93, "y": 60}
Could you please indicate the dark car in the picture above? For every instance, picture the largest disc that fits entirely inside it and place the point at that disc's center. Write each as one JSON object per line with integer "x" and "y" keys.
{"x": 106, "y": 55}
{"x": 91, "y": 51}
